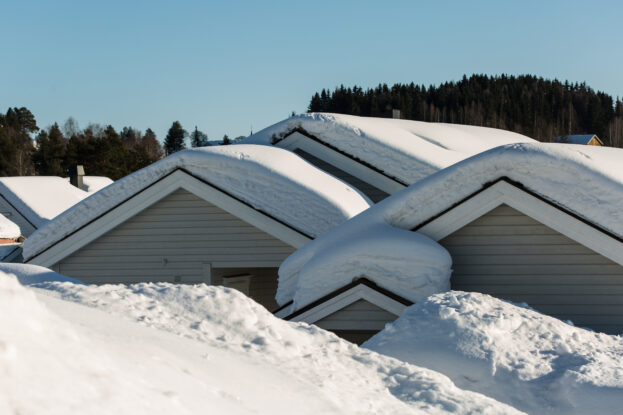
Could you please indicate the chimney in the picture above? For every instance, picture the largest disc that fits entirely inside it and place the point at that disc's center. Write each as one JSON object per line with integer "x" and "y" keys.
{"x": 396, "y": 114}
{"x": 76, "y": 173}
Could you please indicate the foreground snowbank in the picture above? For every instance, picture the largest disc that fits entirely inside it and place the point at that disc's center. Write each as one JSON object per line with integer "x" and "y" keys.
{"x": 271, "y": 180}
{"x": 533, "y": 362}
{"x": 208, "y": 347}
{"x": 404, "y": 149}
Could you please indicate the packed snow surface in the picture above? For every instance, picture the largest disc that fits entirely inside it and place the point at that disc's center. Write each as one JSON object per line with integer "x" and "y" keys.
{"x": 8, "y": 229}
{"x": 164, "y": 348}
{"x": 536, "y": 363}
{"x": 405, "y": 150}
{"x": 93, "y": 184}
{"x": 40, "y": 198}
{"x": 407, "y": 263}
{"x": 585, "y": 180}
{"x": 270, "y": 179}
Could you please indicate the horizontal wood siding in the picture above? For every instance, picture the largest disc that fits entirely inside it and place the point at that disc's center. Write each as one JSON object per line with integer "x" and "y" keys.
{"x": 512, "y": 256}
{"x": 375, "y": 194}
{"x": 176, "y": 237}
{"x": 263, "y": 283}
{"x": 14, "y": 216}
{"x": 360, "y": 315}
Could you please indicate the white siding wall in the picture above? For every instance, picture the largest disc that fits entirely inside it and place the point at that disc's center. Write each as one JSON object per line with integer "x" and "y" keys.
{"x": 14, "y": 216}
{"x": 177, "y": 237}
{"x": 510, "y": 255}
{"x": 360, "y": 315}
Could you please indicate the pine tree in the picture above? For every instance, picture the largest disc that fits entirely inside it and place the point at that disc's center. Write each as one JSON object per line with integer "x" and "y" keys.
{"x": 226, "y": 140}
{"x": 49, "y": 156}
{"x": 174, "y": 140}
{"x": 198, "y": 138}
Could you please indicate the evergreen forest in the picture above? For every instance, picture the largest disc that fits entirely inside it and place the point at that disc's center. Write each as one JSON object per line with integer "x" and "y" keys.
{"x": 539, "y": 108}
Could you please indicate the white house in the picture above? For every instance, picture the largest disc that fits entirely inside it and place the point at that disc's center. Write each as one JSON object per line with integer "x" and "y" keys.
{"x": 380, "y": 156}
{"x": 534, "y": 223}
{"x": 221, "y": 215}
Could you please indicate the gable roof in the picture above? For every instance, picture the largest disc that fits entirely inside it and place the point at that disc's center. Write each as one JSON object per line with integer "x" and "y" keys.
{"x": 404, "y": 150}
{"x": 40, "y": 199}
{"x": 94, "y": 184}
{"x": 273, "y": 181}
{"x": 548, "y": 172}
{"x": 577, "y": 139}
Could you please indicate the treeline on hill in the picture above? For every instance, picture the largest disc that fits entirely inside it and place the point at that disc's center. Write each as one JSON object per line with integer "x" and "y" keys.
{"x": 539, "y": 108}
{"x": 101, "y": 150}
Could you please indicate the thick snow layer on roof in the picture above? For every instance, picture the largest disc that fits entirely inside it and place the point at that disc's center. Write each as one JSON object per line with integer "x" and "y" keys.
{"x": 93, "y": 184}
{"x": 32, "y": 274}
{"x": 8, "y": 229}
{"x": 406, "y": 263}
{"x": 40, "y": 198}
{"x": 575, "y": 139}
{"x": 199, "y": 347}
{"x": 404, "y": 149}
{"x": 270, "y": 179}
{"x": 586, "y": 180}
{"x": 533, "y": 362}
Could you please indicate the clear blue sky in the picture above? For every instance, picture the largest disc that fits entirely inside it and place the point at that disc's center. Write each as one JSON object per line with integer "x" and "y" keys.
{"x": 227, "y": 65}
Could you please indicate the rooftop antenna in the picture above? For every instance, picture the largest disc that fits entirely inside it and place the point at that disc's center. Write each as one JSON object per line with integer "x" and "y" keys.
{"x": 251, "y": 130}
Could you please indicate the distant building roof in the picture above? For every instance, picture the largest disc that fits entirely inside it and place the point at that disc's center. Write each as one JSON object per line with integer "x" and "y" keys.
{"x": 578, "y": 139}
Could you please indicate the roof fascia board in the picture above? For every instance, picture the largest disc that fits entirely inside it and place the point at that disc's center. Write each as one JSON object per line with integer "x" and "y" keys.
{"x": 503, "y": 192}
{"x": 159, "y": 190}
{"x": 358, "y": 292}
{"x": 316, "y": 148}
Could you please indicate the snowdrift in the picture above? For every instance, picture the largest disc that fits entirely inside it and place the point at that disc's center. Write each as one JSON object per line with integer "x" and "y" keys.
{"x": 199, "y": 347}
{"x": 272, "y": 180}
{"x": 509, "y": 352}
{"x": 405, "y": 150}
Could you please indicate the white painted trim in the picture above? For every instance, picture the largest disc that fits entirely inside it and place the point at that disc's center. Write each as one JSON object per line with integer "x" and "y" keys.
{"x": 297, "y": 140}
{"x": 358, "y": 292}
{"x": 505, "y": 193}
{"x": 139, "y": 202}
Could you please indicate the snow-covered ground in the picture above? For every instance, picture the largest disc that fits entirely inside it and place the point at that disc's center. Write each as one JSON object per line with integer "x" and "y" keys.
{"x": 270, "y": 179}
{"x": 161, "y": 348}
{"x": 536, "y": 363}
{"x": 404, "y": 149}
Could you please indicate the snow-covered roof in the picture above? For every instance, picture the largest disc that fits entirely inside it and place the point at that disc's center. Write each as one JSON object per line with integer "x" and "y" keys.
{"x": 93, "y": 184}
{"x": 40, "y": 198}
{"x": 8, "y": 229}
{"x": 576, "y": 138}
{"x": 271, "y": 180}
{"x": 549, "y": 170}
{"x": 509, "y": 352}
{"x": 403, "y": 149}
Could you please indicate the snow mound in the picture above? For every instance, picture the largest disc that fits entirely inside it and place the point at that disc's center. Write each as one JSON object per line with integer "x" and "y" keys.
{"x": 93, "y": 184}
{"x": 40, "y": 198}
{"x": 350, "y": 379}
{"x": 403, "y": 262}
{"x": 270, "y": 179}
{"x": 28, "y": 274}
{"x": 405, "y": 150}
{"x": 8, "y": 229}
{"x": 585, "y": 180}
{"x": 511, "y": 353}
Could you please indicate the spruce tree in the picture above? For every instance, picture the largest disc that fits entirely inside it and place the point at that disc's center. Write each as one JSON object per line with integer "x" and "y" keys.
{"x": 198, "y": 138}
{"x": 49, "y": 156}
{"x": 226, "y": 140}
{"x": 174, "y": 140}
